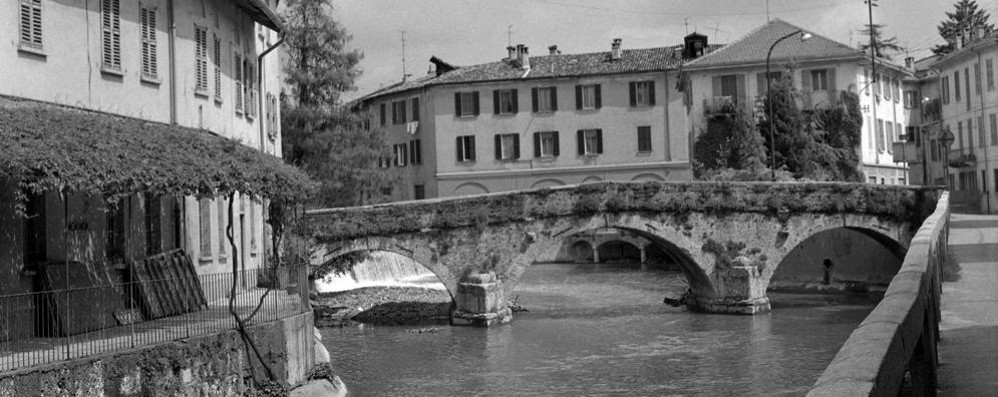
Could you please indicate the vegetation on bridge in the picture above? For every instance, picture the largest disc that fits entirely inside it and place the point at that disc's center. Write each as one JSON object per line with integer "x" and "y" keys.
{"x": 780, "y": 199}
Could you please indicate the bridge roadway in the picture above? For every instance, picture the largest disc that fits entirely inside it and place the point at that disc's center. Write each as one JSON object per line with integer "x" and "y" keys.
{"x": 727, "y": 237}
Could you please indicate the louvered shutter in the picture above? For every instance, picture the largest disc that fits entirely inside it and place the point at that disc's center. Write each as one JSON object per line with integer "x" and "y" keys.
{"x": 457, "y": 104}
{"x": 415, "y": 109}
{"x": 495, "y": 102}
{"x": 578, "y": 98}
{"x": 459, "y": 150}
{"x": 237, "y": 68}
{"x": 599, "y": 96}
{"x": 111, "y": 35}
{"x": 554, "y": 98}
{"x": 651, "y": 93}
{"x": 474, "y": 100}
{"x": 471, "y": 148}
{"x": 581, "y": 141}
{"x": 805, "y": 77}
{"x": 533, "y": 99}
{"x": 556, "y": 151}
{"x": 384, "y": 114}
{"x": 148, "y": 33}
{"x": 831, "y": 79}
{"x": 498, "y": 148}
{"x": 217, "y": 62}
{"x": 599, "y": 141}
{"x": 739, "y": 88}
{"x": 516, "y": 146}
{"x": 31, "y": 24}
{"x": 516, "y": 100}
{"x": 537, "y": 143}
{"x": 632, "y": 87}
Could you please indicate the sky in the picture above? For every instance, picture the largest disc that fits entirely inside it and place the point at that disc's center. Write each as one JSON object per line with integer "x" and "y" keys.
{"x": 466, "y": 32}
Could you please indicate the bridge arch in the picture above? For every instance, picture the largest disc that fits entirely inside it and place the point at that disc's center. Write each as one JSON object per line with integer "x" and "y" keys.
{"x": 647, "y": 177}
{"x": 470, "y": 189}
{"x": 390, "y": 245}
{"x": 851, "y": 254}
{"x": 543, "y": 183}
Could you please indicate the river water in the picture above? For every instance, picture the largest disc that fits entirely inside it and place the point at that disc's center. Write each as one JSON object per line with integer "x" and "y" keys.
{"x": 604, "y": 331}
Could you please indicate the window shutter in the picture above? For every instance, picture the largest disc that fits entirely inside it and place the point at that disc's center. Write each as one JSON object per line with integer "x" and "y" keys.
{"x": 498, "y": 148}
{"x": 415, "y": 109}
{"x": 419, "y": 151}
{"x": 457, "y": 104}
{"x": 537, "y": 142}
{"x": 533, "y": 99}
{"x": 715, "y": 84}
{"x": 405, "y": 153}
{"x": 831, "y": 79}
{"x": 554, "y": 98}
{"x": 516, "y": 100}
{"x": 651, "y": 93}
{"x": 599, "y": 100}
{"x": 580, "y": 140}
{"x": 740, "y": 88}
{"x": 760, "y": 84}
{"x": 578, "y": 98}
{"x": 471, "y": 148}
{"x": 384, "y": 114}
{"x": 412, "y": 151}
{"x": 495, "y": 102}
{"x": 805, "y": 80}
{"x": 474, "y": 103}
{"x": 402, "y": 111}
{"x": 31, "y": 23}
{"x": 632, "y": 86}
{"x": 599, "y": 141}
{"x": 459, "y": 153}
{"x": 516, "y": 146}
{"x": 556, "y": 151}
{"x": 218, "y": 67}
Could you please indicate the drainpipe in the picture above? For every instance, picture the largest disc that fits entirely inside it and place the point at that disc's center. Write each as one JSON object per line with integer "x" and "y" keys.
{"x": 172, "y": 22}
{"x": 260, "y": 81}
{"x": 987, "y": 195}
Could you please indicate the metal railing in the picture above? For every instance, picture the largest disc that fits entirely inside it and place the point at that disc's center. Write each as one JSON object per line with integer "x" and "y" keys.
{"x": 45, "y": 327}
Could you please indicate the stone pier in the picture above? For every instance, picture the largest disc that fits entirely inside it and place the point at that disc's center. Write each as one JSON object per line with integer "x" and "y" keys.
{"x": 740, "y": 290}
{"x": 480, "y": 302}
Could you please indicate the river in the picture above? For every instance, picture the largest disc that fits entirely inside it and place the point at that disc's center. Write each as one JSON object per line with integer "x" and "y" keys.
{"x": 604, "y": 331}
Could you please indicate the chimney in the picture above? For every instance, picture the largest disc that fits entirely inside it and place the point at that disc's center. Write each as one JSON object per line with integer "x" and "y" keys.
{"x": 615, "y": 50}
{"x": 553, "y": 50}
{"x": 512, "y": 53}
{"x": 524, "y": 57}
{"x": 909, "y": 63}
{"x": 960, "y": 42}
{"x": 431, "y": 71}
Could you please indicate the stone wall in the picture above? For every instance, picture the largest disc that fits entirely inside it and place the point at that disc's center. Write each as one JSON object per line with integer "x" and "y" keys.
{"x": 899, "y": 337}
{"x": 212, "y": 365}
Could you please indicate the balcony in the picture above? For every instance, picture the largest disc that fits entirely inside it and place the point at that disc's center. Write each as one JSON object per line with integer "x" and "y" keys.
{"x": 723, "y": 106}
{"x": 962, "y": 158}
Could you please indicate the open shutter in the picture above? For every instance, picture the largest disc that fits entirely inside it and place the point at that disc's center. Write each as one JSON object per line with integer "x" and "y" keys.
{"x": 556, "y": 151}
{"x": 419, "y": 152}
{"x": 578, "y": 97}
{"x": 533, "y": 98}
{"x": 554, "y": 98}
{"x": 599, "y": 96}
{"x": 516, "y": 101}
{"x": 805, "y": 80}
{"x": 599, "y": 141}
{"x": 474, "y": 100}
{"x": 415, "y": 109}
{"x": 459, "y": 151}
{"x": 498, "y": 139}
{"x": 651, "y": 93}
{"x": 580, "y": 140}
{"x": 633, "y": 92}
{"x": 471, "y": 148}
{"x": 831, "y": 79}
{"x": 715, "y": 84}
{"x": 537, "y": 144}
{"x": 457, "y": 105}
{"x": 495, "y": 101}
{"x": 516, "y": 146}
{"x": 412, "y": 151}
{"x": 740, "y": 88}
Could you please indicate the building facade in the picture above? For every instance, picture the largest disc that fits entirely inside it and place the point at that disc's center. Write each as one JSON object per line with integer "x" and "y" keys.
{"x": 182, "y": 63}
{"x": 532, "y": 122}
{"x": 734, "y": 78}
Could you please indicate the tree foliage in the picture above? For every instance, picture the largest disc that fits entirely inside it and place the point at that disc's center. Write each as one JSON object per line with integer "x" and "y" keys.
{"x": 966, "y": 17}
{"x": 320, "y": 136}
{"x": 732, "y": 143}
{"x": 885, "y": 47}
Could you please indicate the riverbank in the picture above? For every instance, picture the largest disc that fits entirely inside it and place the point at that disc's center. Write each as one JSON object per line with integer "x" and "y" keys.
{"x": 383, "y": 305}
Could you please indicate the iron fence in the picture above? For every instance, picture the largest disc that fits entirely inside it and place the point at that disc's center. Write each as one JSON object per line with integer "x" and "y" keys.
{"x": 49, "y": 326}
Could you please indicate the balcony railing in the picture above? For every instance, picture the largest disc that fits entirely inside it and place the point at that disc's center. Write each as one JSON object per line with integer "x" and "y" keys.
{"x": 724, "y": 105}
{"x": 962, "y": 158}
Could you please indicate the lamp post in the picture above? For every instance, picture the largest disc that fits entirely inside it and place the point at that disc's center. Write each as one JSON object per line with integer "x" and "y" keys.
{"x": 769, "y": 99}
{"x": 946, "y": 140}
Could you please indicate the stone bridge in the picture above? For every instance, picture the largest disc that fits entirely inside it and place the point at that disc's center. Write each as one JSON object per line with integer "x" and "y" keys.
{"x": 728, "y": 238}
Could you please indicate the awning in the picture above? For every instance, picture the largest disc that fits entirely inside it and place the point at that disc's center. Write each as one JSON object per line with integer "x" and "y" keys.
{"x": 47, "y": 147}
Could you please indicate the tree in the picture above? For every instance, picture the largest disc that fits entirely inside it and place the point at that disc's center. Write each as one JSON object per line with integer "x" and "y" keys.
{"x": 966, "y": 18}
{"x": 885, "y": 48}
{"x": 732, "y": 143}
{"x": 321, "y": 135}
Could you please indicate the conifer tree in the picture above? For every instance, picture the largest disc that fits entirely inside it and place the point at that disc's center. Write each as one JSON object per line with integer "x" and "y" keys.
{"x": 966, "y": 18}
{"x": 885, "y": 47}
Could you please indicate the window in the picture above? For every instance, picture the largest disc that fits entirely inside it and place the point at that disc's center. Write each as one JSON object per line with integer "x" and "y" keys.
{"x": 154, "y": 240}
{"x": 216, "y": 61}
{"x": 887, "y": 87}
{"x": 416, "y": 152}
{"x": 729, "y": 85}
{"x": 401, "y": 152}
{"x": 114, "y": 248}
{"x": 989, "y": 69}
{"x": 223, "y": 216}
{"x": 34, "y": 229}
{"x": 204, "y": 231}
{"x": 981, "y": 141}
{"x": 890, "y": 136}
{"x": 588, "y": 97}
{"x": 934, "y": 149}
{"x": 945, "y": 89}
{"x": 250, "y": 84}
{"x": 466, "y": 103}
{"x": 504, "y": 102}
{"x": 398, "y": 112}
{"x": 994, "y": 130}
{"x": 590, "y": 142}
{"x": 880, "y": 135}
{"x": 31, "y": 25}
{"x": 466, "y": 148}
{"x": 819, "y": 80}
{"x": 415, "y": 109}
{"x": 545, "y": 99}
{"x": 642, "y": 93}
{"x": 910, "y": 99}
{"x": 644, "y": 139}
{"x": 874, "y": 138}
{"x": 966, "y": 77}
{"x": 866, "y": 78}
{"x": 237, "y": 68}
{"x": 546, "y": 144}
{"x": 872, "y": 179}
{"x": 959, "y": 134}
{"x": 201, "y": 60}
{"x": 110, "y": 36}
{"x": 507, "y": 146}
{"x": 897, "y": 90}
{"x": 956, "y": 85}
{"x": 984, "y": 180}
{"x": 419, "y": 192}
{"x": 977, "y": 78}
{"x": 970, "y": 133}
{"x": 147, "y": 21}
{"x": 252, "y": 227}
{"x": 384, "y": 114}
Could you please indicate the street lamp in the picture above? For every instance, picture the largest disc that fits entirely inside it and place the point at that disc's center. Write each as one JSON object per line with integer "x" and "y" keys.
{"x": 769, "y": 98}
{"x": 946, "y": 140}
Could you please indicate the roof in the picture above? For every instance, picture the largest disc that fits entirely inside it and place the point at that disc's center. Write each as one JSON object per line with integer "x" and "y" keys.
{"x": 47, "y": 147}
{"x": 548, "y": 67}
{"x": 261, "y": 14}
{"x": 753, "y": 47}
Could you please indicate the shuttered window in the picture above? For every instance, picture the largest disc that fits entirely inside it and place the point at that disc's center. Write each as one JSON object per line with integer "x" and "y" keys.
{"x": 148, "y": 31}
{"x": 249, "y": 76}
{"x": 223, "y": 223}
{"x": 111, "y": 35}
{"x": 200, "y": 60}
{"x": 204, "y": 229}
{"x": 31, "y": 24}
{"x": 237, "y": 68}
{"x": 216, "y": 60}
{"x": 644, "y": 139}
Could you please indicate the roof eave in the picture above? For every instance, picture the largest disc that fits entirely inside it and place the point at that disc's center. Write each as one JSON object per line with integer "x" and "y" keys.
{"x": 733, "y": 65}
{"x": 261, "y": 14}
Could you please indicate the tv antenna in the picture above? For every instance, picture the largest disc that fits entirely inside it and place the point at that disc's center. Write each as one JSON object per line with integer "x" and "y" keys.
{"x": 404, "y": 74}
{"x": 509, "y": 36}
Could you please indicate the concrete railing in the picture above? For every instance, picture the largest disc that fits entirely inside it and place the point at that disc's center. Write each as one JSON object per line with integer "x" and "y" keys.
{"x": 899, "y": 337}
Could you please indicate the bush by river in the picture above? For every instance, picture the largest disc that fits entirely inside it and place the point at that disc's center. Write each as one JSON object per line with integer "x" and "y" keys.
{"x": 384, "y": 305}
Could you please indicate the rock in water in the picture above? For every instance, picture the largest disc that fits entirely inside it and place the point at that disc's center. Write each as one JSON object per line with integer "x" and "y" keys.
{"x": 674, "y": 299}
{"x": 321, "y": 387}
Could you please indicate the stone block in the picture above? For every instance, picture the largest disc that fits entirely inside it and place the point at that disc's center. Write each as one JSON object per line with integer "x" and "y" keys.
{"x": 320, "y": 387}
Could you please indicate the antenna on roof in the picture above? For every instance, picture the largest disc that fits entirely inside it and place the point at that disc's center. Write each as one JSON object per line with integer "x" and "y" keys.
{"x": 404, "y": 75}
{"x": 686, "y": 22}
{"x": 717, "y": 25}
{"x": 509, "y": 35}
{"x": 767, "y": 10}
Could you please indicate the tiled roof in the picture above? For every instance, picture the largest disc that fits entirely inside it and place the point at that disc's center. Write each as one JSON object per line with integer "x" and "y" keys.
{"x": 551, "y": 66}
{"x": 752, "y": 48}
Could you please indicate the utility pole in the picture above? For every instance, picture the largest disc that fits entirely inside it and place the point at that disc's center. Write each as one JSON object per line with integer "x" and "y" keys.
{"x": 873, "y": 76}
{"x": 404, "y": 75}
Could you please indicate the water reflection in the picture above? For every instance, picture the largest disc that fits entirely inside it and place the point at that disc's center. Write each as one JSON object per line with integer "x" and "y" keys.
{"x": 604, "y": 331}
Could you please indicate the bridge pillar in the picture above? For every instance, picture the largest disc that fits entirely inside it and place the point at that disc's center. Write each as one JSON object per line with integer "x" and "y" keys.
{"x": 480, "y": 302}
{"x": 740, "y": 290}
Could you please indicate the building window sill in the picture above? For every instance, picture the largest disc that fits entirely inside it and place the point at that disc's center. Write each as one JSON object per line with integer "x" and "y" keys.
{"x": 218, "y": 100}
{"x": 201, "y": 93}
{"x": 645, "y": 154}
{"x": 112, "y": 71}
{"x": 30, "y": 49}
{"x": 151, "y": 80}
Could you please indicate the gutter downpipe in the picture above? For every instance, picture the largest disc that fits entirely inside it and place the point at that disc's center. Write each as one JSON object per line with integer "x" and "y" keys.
{"x": 260, "y": 98}
{"x": 980, "y": 94}
{"x": 172, "y": 21}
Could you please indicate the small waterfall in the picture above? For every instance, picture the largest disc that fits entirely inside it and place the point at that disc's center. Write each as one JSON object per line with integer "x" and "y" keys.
{"x": 382, "y": 269}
